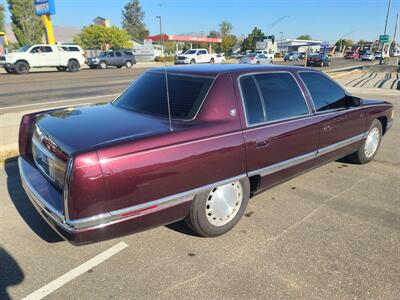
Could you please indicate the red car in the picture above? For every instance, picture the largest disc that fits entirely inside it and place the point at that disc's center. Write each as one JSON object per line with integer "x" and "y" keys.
{"x": 352, "y": 55}
{"x": 100, "y": 171}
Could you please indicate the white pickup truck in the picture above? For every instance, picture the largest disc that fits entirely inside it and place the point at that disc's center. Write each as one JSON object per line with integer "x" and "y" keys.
{"x": 196, "y": 56}
{"x": 40, "y": 56}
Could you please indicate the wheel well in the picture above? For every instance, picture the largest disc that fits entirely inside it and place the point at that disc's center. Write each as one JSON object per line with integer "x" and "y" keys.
{"x": 255, "y": 182}
{"x": 73, "y": 59}
{"x": 22, "y": 60}
{"x": 383, "y": 121}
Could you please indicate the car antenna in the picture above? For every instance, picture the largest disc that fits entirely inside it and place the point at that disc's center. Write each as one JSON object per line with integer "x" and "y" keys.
{"x": 168, "y": 102}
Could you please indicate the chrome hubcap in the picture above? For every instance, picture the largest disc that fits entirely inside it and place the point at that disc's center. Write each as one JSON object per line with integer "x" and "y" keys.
{"x": 371, "y": 143}
{"x": 223, "y": 203}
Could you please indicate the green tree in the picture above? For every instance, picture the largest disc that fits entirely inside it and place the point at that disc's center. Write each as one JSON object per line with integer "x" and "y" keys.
{"x": 1, "y": 17}
{"x": 342, "y": 43}
{"x": 304, "y": 37}
{"x": 225, "y": 28}
{"x": 214, "y": 34}
{"x": 27, "y": 27}
{"x": 132, "y": 20}
{"x": 100, "y": 37}
{"x": 249, "y": 43}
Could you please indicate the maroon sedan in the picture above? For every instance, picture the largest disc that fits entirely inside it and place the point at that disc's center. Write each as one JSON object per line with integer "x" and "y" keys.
{"x": 193, "y": 143}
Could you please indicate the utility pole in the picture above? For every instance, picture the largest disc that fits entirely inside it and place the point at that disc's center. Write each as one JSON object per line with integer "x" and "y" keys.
{"x": 384, "y": 33}
{"x": 161, "y": 37}
{"x": 395, "y": 31}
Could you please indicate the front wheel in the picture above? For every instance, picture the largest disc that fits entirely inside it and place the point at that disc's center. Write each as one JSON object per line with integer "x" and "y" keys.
{"x": 212, "y": 60}
{"x": 21, "y": 68}
{"x": 216, "y": 211}
{"x": 369, "y": 148}
{"x": 103, "y": 65}
{"x": 192, "y": 61}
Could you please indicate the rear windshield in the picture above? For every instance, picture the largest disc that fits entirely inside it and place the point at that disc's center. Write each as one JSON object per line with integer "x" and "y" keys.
{"x": 148, "y": 95}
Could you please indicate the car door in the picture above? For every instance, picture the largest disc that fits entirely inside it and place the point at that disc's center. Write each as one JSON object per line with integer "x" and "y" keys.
{"x": 119, "y": 59}
{"x": 111, "y": 59}
{"x": 281, "y": 134}
{"x": 343, "y": 123}
{"x": 37, "y": 58}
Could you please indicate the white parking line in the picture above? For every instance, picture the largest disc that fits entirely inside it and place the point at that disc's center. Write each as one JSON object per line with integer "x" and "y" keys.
{"x": 57, "y": 102}
{"x": 67, "y": 277}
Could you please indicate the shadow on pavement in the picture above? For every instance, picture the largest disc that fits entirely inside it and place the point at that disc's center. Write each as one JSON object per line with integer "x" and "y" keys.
{"x": 181, "y": 227}
{"x": 10, "y": 273}
{"x": 23, "y": 205}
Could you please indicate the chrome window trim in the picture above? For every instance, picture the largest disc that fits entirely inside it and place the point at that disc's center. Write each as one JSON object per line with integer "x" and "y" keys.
{"x": 310, "y": 111}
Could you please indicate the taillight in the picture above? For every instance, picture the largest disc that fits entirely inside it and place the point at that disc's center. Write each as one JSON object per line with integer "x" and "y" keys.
{"x": 25, "y": 133}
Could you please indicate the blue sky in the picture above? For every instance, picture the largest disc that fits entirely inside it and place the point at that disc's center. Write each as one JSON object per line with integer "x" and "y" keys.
{"x": 322, "y": 19}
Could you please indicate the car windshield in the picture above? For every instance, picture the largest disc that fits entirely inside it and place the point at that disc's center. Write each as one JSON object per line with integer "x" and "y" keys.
{"x": 24, "y": 48}
{"x": 103, "y": 54}
{"x": 148, "y": 95}
{"x": 190, "y": 52}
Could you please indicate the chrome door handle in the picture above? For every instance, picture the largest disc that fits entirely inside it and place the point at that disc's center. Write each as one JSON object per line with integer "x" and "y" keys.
{"x": 262, "y": 144}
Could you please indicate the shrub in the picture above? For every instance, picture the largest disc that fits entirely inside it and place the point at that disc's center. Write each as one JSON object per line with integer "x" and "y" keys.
{"x": 164, "y": 59}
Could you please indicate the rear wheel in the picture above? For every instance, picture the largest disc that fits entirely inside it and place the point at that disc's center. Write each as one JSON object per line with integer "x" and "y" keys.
{"x": 369, "y": 148}
{"x": 218, "y": 210}
{"x": 61, "y": 69}
{"x": 93, "y": 67}
{"x": 128, "y": 64}
{"x": 21, "y": 68}
{"x": 212, "y": 61}
{"x": 74, "y": 66}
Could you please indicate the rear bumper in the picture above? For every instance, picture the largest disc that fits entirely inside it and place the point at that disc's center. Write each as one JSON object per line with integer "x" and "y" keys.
{"x": 46, "y": 199}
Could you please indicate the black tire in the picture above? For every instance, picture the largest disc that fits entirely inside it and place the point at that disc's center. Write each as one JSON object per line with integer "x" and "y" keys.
{"x": 258, "y": 63}
{"x": 128, "y": 64}
{"x": 61, "y": 69}
{"x": 197, "y": 218}
{"x": 74, "y": 66}
{"x": 322, "y": 64}
{"x": 9, "y": 71}
{"x": 360, "y": 156}
{"x": 212, "y": 60}
{"x": 21, "y": 68}
{"x": 192, "y": 61}
{"x": 103, "y": 65}
{"x": 119, "y": 67}
{"x": 93, "y": 67}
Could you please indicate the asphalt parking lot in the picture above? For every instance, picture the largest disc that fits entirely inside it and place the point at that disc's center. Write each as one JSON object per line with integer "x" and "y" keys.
{"x": 331, "y": 233}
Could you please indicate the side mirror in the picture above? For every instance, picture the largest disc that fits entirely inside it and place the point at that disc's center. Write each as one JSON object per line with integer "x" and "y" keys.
{"x": 352, "y": 101}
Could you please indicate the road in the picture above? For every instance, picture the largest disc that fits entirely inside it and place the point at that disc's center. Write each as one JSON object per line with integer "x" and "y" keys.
{"x": 53, "y": 86}
{"x": 333, "y": 233}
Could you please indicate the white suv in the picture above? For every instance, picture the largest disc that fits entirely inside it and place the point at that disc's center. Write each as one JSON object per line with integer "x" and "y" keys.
{"x": 40, "y": 56}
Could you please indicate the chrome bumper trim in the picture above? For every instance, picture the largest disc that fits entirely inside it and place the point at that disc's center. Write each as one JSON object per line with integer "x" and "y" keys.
{"x": 109, "y": 218}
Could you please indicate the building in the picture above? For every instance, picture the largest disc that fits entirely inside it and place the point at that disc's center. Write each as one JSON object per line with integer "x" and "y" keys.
{"x": 289, "y": 45}
{"x": 185, "y": 39}
{"x": 101, "y": 21}
{"x": 268, "y": 45}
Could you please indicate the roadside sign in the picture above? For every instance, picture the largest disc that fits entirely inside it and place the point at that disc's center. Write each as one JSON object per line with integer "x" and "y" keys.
{"x": 44, "y": 7}
{"x": 384, "y": 38}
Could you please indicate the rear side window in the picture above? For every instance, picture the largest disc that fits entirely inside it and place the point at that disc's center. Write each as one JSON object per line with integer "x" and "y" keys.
{"x": 148, "y": 95}
{"x": 325, "y": 93}
{"x": 46, "y": 49}
{"x": 252, "y": 100}
{"x": 279, "y": 96}
{"x": 118, "y": 54}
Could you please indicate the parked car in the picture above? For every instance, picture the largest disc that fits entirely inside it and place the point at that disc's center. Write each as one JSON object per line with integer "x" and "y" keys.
{"x": 220, "y": 58}
{"x": 395, "y": 53}
{"x": 254, "y": 58}
{"x": 114, "y": 58}
{"x": 318, "y": 59}
{"x": 352, "y": 55}
{"x": 235, "y": 130}
{"x": 292, "y": 56}
{"x": 195, "y": 56}
{"x": 379, "y": 55}
{"x": 265, "y": 52}
{"x": 41, "y": 56}
{"x": 368, "y": 56}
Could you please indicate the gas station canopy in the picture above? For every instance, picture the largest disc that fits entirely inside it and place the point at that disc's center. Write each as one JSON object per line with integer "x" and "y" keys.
{"x": 182, "y": 38}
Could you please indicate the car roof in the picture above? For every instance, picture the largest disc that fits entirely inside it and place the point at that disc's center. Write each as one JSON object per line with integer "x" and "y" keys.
{"x": 216, "y": 69}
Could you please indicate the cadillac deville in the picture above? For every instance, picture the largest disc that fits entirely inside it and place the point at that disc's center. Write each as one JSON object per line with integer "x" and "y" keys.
{"x": 189, "y": 142}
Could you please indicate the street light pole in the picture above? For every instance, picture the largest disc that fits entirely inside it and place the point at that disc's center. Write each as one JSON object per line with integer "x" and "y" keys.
{"x": 384, "y": 33}
{"x": 161, "y": 37}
